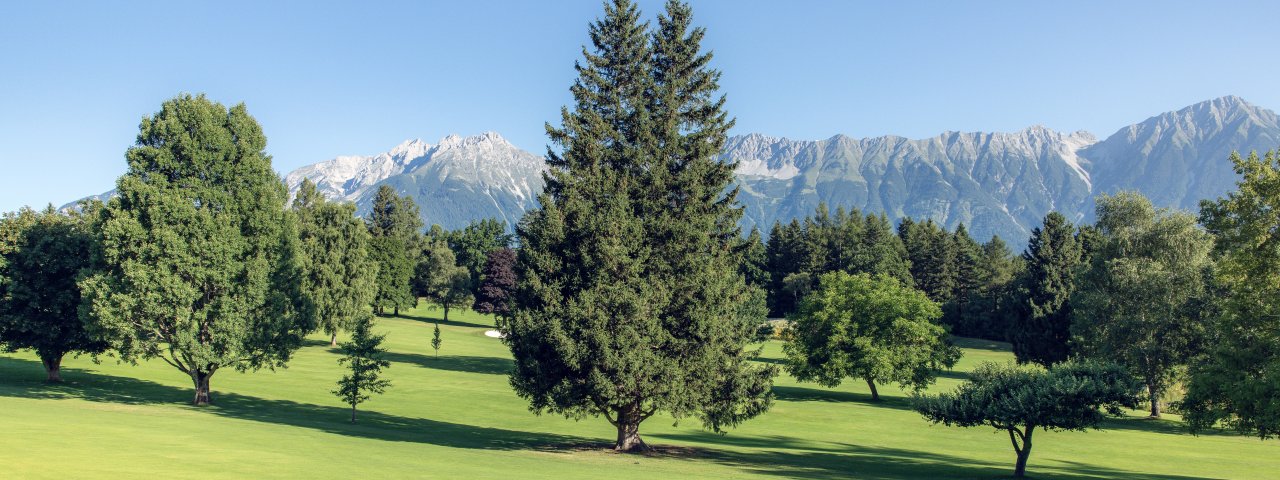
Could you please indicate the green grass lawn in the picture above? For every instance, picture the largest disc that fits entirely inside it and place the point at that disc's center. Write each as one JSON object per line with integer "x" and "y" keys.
{"x": 456, "y": 417}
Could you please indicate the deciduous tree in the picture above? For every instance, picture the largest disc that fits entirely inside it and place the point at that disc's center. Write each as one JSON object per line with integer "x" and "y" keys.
{"x": 1020, "y": 399}
{"x": 873, "y": 328}
{"x": 199, "y": 254}
{"x": 1239, "y": 383}
{"x": 338, "y": 275}
{"x": 1139, "y": 301}
{"x": 42, "y": 254}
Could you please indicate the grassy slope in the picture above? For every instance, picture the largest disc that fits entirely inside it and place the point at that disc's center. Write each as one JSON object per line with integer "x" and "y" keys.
{"x": 455, "y": 416}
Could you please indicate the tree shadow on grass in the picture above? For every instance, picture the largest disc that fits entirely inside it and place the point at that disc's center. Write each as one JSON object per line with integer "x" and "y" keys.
{"x": 452, "y": 323}
{"x": 793, "y": 457}
{"x": 455, "y": 363}
{"x": 98, "y": 387}
{"x": 802, "y": 394}
{"x": 775, "y": 455}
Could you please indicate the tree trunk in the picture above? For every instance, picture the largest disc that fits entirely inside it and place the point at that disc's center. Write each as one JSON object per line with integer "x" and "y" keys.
{"x": 629, "y": 432}
{"x": 446, "y": 314}
{"x": 52, "y": 368}
{"x": 353, "y": 413}
{"x": 1155, "y": 401}
{"x": 875, "y": 394}
{"x": 1024, "y": 452}
{"x": 396, "y": 311}
{"x": 201, "y": 380}
{"x": 333, "y": 339}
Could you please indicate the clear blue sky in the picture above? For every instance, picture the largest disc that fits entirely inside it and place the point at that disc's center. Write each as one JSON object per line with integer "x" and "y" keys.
{"x": 326, "y": 79}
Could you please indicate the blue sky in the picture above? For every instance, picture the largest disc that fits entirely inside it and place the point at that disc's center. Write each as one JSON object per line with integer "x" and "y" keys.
{"x": 327, "y": 79}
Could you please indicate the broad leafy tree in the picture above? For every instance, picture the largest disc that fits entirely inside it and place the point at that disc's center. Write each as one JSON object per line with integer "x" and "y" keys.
{"x": 393, "y": 225}
{"x": 494, "y": 295}
{"x": 1239, "y": 383}
{"x": 1021, "y": 399}
{"x": 873, "y": 328}
{"x": 365, "y": 358}
{"x": 42, "y": 254}
{"x": 630, "y": 300}
{"x": 199, "y": 253}
{"x": 1140, "y": 301}
{"x": 471, "y": 245}
{"x": 1041, "y": 307}
{"x": 338, "y": 275}
{"x": 442, "y": 281}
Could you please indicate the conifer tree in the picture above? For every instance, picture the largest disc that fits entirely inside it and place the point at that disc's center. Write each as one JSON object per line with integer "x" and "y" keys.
{"x": 881, "y": 252}
{"x": 630, "y": 299}
{"x": 364, "y": 357}
{"x": 338, "y": 275}
{"x": 1041, "y": 310}
{"x": 754, "y": 262}
{"x": 393, "y": 225}
{"x": 41, "y": 255}
{"x": 199, "y": 253}
{"x": 967, "y": 254}
{"x": 787, "y": 253}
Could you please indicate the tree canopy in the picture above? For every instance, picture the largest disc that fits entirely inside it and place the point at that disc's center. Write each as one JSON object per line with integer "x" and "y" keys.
{"x": 1140, "y": 301}
{"x": 200, "y": 262}
{"x": 1041, "y": 327}
{"x": 873, "y": 328}
{"x": 338, "y": 275}
{"x": 42, "y": 255}
{"x": 1020, "y": 399}
{"x": 1239, "y": 382}
{"x": 630, "y": 298}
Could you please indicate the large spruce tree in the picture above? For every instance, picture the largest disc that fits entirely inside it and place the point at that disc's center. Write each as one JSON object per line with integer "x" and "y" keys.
{"x": 1041, "y": 327}
{"x": 630, "y": 300}
{"x": 338, "y": 275}
{"x": 199, "y": 253}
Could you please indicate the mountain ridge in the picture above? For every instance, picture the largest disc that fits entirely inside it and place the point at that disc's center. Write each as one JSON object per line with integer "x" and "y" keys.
{"x": 994, "y": 182}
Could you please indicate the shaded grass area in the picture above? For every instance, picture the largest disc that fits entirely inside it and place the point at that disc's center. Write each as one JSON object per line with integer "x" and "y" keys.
{"x": 456, "y": 416}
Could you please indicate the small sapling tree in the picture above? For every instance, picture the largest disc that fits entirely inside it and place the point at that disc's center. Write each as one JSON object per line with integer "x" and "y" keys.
{"x": 364, "y": 358}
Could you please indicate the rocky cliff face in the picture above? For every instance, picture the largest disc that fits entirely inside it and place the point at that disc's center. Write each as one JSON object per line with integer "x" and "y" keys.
{"x": 995, "y": 183}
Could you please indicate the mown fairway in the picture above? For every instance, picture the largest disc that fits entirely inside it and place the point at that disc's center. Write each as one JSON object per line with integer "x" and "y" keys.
{"x": 455, "y": 417}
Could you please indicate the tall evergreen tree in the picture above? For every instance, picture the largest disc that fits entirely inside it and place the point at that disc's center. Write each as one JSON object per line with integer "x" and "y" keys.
{"x": 787, "y": 254}
{"x": 199, "y": 253}
{"x": 880, "y": 252}
{"x": 338, "y": 275}
{"x": 393, "y": 225}
{"x": 365, "y": 358}
{"x": 630, "y": 300}
{"x": 41, "y": 256}
{"x": 987, "y": 313}
{"x": 933, "y": 257}
{"x": 754, "y": 264}
{"x": 1041, "y": 311}
{"x": 966, "y": 274}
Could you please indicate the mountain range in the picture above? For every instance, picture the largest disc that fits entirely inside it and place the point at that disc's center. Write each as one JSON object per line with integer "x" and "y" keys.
{"x": 994, "y": 183}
